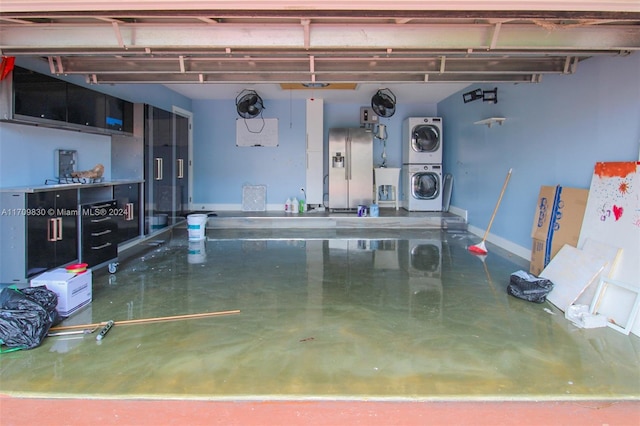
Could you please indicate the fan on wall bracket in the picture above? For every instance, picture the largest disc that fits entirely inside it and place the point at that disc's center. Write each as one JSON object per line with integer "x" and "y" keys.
{"x": 384, "y": 103}
{"x": 249, "y": 104}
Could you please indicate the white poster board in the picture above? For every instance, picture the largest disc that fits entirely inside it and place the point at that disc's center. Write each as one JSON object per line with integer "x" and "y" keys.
{"x": 612, "y": 216}
{"x": 257, "y": 132}
{"x": 571, "y": 271}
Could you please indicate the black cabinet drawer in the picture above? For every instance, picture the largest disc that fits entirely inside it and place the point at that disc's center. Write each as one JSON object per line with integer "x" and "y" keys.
{"x": 99, "y": 232}
{"x": 99, "y": 251}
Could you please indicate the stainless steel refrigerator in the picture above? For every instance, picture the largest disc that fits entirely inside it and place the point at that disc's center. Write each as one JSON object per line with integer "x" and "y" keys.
{"x": 350, "y": 168}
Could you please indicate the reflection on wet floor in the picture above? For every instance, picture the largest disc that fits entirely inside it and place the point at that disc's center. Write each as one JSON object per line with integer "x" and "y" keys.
{"x": 415, "y": 316}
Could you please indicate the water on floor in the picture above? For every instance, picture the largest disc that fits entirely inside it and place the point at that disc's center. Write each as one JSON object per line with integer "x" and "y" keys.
{"x": 393, "y": 314}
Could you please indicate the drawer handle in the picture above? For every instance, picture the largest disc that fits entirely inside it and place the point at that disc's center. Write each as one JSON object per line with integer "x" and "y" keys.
{"x": 98, "y": 234}
{"x": 104, "y": 219}
{"x": 105, "y": 245}
{"x": 101, "y": 206}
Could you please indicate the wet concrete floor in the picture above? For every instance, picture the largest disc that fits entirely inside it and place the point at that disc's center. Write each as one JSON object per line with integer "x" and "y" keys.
{"x": 387, "y": 314}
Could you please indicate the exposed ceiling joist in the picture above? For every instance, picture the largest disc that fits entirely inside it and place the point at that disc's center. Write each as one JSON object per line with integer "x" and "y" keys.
{"x": 208, "y": 46}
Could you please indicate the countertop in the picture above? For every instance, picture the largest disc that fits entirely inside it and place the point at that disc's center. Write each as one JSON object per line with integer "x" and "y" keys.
{"x": 41, "y": 188}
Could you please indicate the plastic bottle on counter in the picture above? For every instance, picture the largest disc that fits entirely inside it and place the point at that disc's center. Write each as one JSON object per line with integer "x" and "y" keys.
{"x": 287, "y": 206}
{"x": 294, "y": 205}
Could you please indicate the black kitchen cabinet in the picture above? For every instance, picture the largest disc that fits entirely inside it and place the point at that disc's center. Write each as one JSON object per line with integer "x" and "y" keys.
{"x": 85, "y": 107}
{"x": 38, "y": 95}
{"x": 52, "y": 228}
{"x": 159, "y": 154}
{"x": 44, "y": 100}
{"x": 166, "y": 149}
{"x": 127, "y": 198}
{"x": 99, "y": 233}
{"x": 119, "y": 115}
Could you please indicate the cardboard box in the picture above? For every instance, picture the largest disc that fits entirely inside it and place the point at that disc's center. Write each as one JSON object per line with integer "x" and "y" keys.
{"x": 557, "y": 221}
{"x": 74, "y": 290}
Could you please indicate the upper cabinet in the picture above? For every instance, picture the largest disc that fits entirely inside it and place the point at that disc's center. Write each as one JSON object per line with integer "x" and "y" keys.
{"x": 119, "y": 115}
{"x": 33, "y": 98}
{"x": 85, "y": 107}
{"x": 37, "y": 95}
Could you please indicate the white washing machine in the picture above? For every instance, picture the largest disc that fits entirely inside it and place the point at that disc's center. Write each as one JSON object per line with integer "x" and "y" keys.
{"x": 422, "y": 140}
{"x": 422, "y": 187}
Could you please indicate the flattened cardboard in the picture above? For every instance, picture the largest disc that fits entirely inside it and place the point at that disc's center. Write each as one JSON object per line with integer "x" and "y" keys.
{"x": 557, "y": 221}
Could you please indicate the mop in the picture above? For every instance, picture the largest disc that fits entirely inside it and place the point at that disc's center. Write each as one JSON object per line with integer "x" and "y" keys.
{"x": 480, "y": 247}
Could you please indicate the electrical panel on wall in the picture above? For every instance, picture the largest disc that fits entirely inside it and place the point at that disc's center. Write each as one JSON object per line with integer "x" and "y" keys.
{"x": 367, "y": 117}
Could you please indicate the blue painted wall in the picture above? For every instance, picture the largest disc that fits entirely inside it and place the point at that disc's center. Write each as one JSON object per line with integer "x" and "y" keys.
{"x": 221, "y": 168}
{"x": 27, "y": 153}
{"x": 554, "y": 134}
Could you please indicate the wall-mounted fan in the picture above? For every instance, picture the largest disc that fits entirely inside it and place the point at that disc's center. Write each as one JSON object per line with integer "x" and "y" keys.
{"x": 384, "y": 103}
{"x": 249, "y": 104}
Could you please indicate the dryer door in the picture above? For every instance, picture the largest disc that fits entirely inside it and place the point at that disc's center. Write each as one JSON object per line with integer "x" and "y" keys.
{"x": 425, "y": 138}
{"x": 425, "y": 185}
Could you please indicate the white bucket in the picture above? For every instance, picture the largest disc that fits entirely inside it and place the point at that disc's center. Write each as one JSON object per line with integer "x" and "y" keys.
{"x": 197, "y": 251}
{"x": 196, "y": 224}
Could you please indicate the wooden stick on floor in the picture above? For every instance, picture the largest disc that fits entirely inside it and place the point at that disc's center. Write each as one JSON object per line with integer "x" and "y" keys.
{"x": 147, "y": 320}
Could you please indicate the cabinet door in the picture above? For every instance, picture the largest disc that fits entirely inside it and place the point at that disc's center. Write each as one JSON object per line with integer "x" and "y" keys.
{"x": 52, "y": 239}
{"x": 67, "y": 244}
{"x": 128, "y": 201}
{"x": 119, "y": 115}
{"x": 85, "y": 107}
{"x": 163, "y": 153}
{"x": 182, "y": 163}
{"x": 38, "y": 95}
{"x": 159, "y": 169}
{"x": 41, "y": 233}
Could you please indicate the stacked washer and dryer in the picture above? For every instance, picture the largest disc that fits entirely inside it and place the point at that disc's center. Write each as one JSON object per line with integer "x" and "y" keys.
{"x": 422, "y": 164}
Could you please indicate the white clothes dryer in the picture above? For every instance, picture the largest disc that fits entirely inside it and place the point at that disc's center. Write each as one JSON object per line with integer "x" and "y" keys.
{"x": 422, "y": 187}
{"x": 422, "y": 140}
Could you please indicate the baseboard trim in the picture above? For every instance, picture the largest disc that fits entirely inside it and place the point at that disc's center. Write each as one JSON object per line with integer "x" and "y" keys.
{"x": 459, "y": 212}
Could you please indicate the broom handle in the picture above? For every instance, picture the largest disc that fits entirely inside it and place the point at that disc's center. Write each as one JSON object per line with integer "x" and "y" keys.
{"x": 147, "y": 320}
{"x": 495, "y": 210}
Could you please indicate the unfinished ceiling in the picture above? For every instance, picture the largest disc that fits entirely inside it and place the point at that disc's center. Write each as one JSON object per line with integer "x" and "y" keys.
{"x": 315, "y": 47}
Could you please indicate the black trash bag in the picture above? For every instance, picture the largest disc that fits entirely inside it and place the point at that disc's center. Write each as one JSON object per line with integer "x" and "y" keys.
{"x": 526, "y": 286}
{"x": 26, "y": 316}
